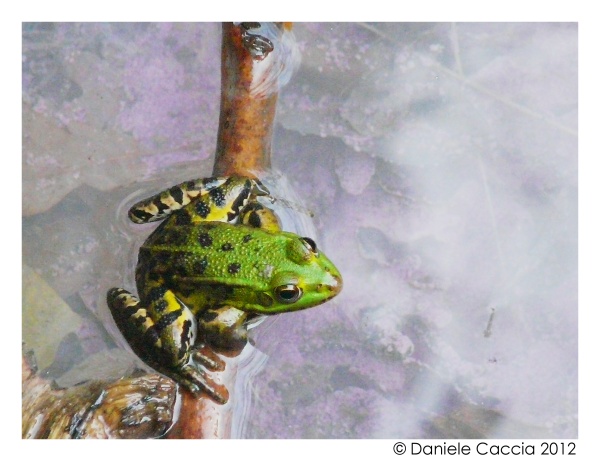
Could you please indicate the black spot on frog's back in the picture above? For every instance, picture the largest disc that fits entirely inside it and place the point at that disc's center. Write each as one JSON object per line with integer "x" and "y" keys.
{"x": 151, "y": 258}
{"x": 202, "y": 209}
{"x": 199, "y": 266}
{"x": 181, "y": 264}
{"x": 234, "y": 268}
{"x": 218, "y": 197}
{"x": 182, "y": 218}
{"x": 173, "y": 236}
{"x": 205, "y": 240}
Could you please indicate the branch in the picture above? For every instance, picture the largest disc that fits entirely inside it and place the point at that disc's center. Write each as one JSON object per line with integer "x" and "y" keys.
{"x": 243, "y": 148}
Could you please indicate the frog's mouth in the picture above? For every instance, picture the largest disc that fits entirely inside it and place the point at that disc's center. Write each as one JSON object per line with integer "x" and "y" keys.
{"x": 245, "y": 297}
{"x": 329, "y": 288}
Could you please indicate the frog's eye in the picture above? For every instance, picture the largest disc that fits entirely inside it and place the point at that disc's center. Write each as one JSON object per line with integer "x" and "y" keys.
{"x": 288, "y": 294}
{"x": 310, "y": 244}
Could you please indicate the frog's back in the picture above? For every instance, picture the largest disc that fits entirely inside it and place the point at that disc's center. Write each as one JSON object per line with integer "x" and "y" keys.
{"x": 207, "y": 264}
{"x": 211, "y": 251}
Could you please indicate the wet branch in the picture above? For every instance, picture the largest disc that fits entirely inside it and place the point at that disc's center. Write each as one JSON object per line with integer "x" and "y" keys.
{"x": 243, "y": 148}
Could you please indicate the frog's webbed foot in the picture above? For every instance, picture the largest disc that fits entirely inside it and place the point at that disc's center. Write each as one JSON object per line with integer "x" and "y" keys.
{"x": 162, "y": 335}
{"x": 194, "y": 379}
{"x": 193, "y": 376}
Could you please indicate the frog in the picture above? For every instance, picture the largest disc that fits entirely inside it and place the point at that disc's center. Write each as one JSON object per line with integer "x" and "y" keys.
{"x": 218, "y": 261}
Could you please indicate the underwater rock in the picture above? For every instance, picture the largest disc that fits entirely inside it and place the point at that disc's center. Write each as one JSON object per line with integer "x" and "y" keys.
{"x": 136, "y": 407}
{"x": 47, "y": 319}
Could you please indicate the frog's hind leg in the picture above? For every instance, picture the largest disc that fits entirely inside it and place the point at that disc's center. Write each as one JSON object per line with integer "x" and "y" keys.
{"x": 163, "y": 335}
{"x": 161, "y": 205}
{"x": 129, "y": 316}
{"x": 211, "y": 199}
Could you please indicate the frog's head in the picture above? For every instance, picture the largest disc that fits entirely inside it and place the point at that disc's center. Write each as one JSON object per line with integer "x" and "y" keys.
{"x": 308, "y": 279}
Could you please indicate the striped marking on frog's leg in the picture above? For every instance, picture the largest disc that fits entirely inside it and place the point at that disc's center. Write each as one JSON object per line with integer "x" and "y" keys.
{"x": 162, "y": 335}
{"x": 174, "y": 325}
{"x": 161, "y": 205}
{"x": 224, "y": 203}
{"x": 132, "y": 319}
{"x": 258, "y": 215}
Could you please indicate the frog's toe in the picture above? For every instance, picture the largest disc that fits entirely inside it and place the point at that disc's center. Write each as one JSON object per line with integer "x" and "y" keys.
{"x": 119, "y": 299}
{"x": 113, "y": 294}
{"x": 206, "y": 357}
{"x": 196, "y": 382}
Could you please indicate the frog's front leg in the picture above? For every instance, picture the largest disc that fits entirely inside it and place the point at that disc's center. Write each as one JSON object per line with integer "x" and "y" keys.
{"x": 163, "y": 335}
{"x": 224, "y": 328}
{"x": 257, "y": 215}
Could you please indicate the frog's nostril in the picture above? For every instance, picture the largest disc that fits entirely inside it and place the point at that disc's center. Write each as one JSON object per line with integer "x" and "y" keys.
{"x": 333, "y": 284}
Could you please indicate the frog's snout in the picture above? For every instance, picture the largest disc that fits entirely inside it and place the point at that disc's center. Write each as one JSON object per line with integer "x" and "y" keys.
{"x": 333, "y": 284}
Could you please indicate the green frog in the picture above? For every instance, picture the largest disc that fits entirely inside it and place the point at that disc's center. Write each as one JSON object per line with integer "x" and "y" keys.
{"x": 217, "y": 262}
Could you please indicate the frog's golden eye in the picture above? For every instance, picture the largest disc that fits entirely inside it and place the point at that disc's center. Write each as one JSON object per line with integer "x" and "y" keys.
{"x": 288, "y": 294}
{"x": 310, "y": 244}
